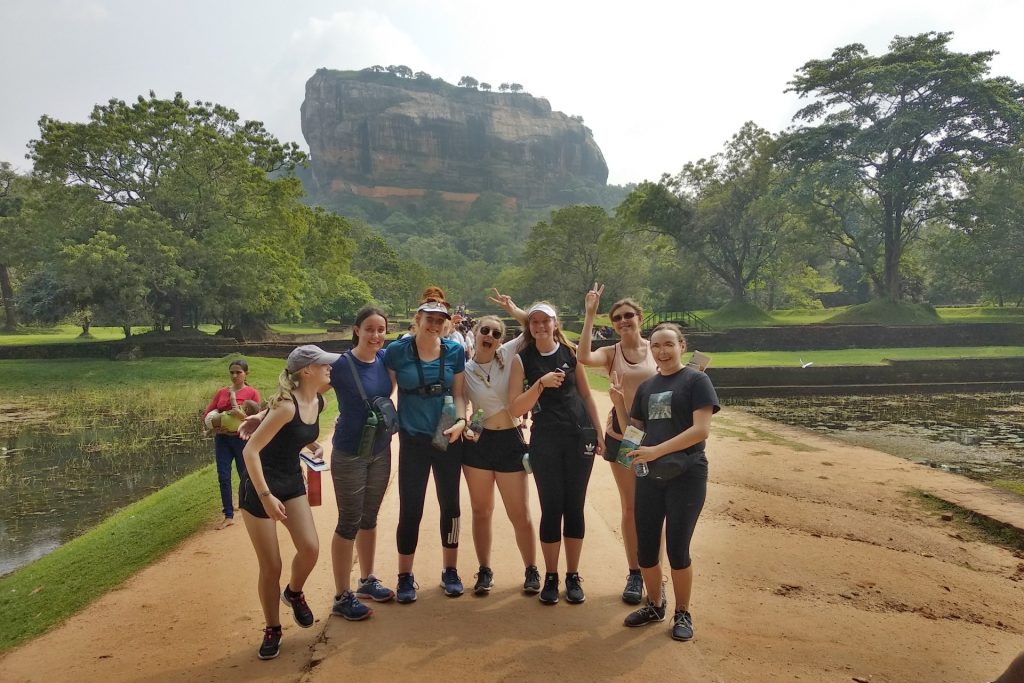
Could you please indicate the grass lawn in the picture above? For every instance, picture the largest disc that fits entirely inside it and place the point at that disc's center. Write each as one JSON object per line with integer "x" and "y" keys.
{"x": 44, "y": 593}
{"x": 737, "y": 359}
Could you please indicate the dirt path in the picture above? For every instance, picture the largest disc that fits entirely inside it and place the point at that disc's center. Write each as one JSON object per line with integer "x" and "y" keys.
{"x": 812, "y": 564}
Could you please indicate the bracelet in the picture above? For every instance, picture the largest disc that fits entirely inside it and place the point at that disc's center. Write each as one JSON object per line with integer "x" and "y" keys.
{"x": 461, "y": 419}
{"x": 264, "y": 494}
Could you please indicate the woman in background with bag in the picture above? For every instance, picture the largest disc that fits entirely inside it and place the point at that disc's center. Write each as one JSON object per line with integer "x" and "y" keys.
{"x": 494, "y": 456}
{"x": 361, "y": 461}
{"x": 564, "y": 438}
{"x": 429, "y": 371}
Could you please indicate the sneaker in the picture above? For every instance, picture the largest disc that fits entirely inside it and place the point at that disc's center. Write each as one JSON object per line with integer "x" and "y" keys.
{"x": 451, "y": 582}
{"x": 549, "y": 595}
{"x": 348, "y": 606}
{"x": 271, "y": 646}
{"x": 633, "y": 593}
{"x": 573, "y": 590}
{"x": 373, "y": 589}
{"x": 532, "y": 582}
{"x": 300, "y": 610}
{"x": 682, "y": 626}
{"x": 406, "y": 588}
{"x": 484, "y": 581}
{"x": 647, "y": 614}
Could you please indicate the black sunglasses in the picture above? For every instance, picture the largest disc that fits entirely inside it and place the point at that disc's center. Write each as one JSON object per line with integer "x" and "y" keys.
{"x": 628, "y": 315}
{"x": 493, "y": 331}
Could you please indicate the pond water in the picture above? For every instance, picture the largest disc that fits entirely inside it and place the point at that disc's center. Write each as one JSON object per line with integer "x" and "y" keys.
{"x": 978, "y": 435}
{"x": 55, "y": 486}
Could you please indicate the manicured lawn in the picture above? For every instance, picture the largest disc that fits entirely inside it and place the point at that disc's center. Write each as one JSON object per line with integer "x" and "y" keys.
{"x": 736, "y": 359}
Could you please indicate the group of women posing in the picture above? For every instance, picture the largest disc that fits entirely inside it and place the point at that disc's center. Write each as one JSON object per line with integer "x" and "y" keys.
{"x": 538, "y": 372}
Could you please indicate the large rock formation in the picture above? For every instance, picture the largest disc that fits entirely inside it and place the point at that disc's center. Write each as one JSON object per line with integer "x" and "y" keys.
{"x": 381, "y": 136}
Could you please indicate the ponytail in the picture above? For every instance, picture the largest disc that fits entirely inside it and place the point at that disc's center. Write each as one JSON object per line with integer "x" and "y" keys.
{"x": 287, "y": 382}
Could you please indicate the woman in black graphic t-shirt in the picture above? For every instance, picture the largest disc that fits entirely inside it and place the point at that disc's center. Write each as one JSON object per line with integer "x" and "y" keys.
{"x": 674, "y": 409}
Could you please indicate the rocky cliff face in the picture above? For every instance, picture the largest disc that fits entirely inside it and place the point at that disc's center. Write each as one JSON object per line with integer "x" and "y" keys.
{"x": 378, "y": 135}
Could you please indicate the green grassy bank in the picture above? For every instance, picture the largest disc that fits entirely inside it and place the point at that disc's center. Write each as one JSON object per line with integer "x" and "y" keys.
{"x": 44, "y": 593}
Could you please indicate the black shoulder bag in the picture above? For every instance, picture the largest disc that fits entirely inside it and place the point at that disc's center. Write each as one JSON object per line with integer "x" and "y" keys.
{"x": 382, "y": 405}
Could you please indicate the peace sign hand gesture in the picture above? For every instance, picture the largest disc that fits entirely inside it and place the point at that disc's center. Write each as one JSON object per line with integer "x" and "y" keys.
{"x": 503, "y": 300}
{"x": 592, "y": 299}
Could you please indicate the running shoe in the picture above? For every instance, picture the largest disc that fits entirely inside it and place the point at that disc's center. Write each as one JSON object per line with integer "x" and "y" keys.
{"x": 532, "y": 582}
{"x": 549, "y": 595}
{"x": 451, "y": 582}
{"x": 484, "y": 581}
{"x": 682, "y": 626}
{"x": 648, "y": 614}
{"x": 271, "y": 646}
{"x": 373, "y": 589}
{"x": 300, "y": 610}
{"x": 634, "y": 591}
{"x": 349, "y": 607}
{"x": 573, "y": 590}
{"x": 406, "y": 588}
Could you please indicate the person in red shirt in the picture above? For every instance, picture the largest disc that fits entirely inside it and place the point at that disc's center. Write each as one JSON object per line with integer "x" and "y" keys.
{"x": 227, "y": 445}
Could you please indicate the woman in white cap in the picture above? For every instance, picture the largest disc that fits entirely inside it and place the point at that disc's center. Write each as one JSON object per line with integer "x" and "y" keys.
{"x": 564, "y": 438}
{"x": 428, "y": 369}
{"x": 273, "y": 489}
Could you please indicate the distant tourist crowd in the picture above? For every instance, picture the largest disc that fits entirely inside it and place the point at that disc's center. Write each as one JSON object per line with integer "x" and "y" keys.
{"x": 480, "y": 403}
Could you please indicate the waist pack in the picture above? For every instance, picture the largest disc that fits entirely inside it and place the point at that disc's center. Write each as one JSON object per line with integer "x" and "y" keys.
{"x": 382, "y": 405}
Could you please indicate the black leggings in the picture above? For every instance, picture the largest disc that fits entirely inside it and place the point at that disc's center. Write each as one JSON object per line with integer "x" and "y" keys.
{"x": 416, "y": 459}
{"x": 676, "y": 503}
{"x": 562, "y": 474}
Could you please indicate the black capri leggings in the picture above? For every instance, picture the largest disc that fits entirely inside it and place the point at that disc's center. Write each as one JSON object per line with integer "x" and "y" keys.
{"x": 562, "y": 474}
{"x": 675, "y": 503}
{"x": 359, "y": 487}
{"x": 416, "y": 459}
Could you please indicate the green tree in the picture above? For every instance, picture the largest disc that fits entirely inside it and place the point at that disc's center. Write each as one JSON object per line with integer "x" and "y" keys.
{"x": 105, "y": 277}
{"x": 468, "y": 82}
{"x": 10, "y": 206}
{"x": 515, "y": 87}
{"x": 486, "y": 87}
{"x": 896, "y": 133}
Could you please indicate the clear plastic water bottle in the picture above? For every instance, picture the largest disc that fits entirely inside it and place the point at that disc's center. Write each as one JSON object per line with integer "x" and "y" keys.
{"x": 526, "y": 463}
{"x": 368, "y": 435}
{"x": 477, "y": 422}
{"x": 440, "y": 440}
{"x": 641, "y": 469}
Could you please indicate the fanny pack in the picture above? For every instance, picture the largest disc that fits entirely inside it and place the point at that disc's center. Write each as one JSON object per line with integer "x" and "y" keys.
{"x": 382, "y": 405}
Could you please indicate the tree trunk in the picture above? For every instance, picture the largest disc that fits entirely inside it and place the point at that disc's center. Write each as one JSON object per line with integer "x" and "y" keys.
{"x": 127, "y": 329}
{"x": 177, "y": 315}
{"x": 7, "y": 292}
{"x": 893, "y": 251}
{"x": 85, "y": 325}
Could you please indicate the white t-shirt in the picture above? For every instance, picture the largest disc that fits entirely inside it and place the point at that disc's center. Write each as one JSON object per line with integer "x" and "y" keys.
{"x": 487, "y": 384}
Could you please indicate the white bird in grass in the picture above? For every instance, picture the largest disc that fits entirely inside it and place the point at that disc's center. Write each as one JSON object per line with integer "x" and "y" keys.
{"x": 807, "y": 364}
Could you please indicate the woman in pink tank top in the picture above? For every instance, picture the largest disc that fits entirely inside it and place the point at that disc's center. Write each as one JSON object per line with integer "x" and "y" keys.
{"x": 632, "y": 362}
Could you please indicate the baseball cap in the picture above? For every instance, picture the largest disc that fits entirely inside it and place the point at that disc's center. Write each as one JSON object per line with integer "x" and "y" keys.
{"x": 310, "y": 354}
{"x": 542, "y": 308}
{"x": 434, "y": 307}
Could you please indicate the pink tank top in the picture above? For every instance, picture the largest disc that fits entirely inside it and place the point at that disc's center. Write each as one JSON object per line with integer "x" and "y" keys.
{"x": 630, "y": 375}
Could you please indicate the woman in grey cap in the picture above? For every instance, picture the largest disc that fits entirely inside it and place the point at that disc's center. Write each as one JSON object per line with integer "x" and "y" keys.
{"x": 273, "y": 489}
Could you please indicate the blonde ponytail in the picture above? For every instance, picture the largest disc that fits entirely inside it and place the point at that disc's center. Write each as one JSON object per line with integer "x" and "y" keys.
{"x": 287, "y": 382}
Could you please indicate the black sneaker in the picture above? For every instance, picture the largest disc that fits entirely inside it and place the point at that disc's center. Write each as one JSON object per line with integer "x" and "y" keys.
{"x": 484, "y": 581}
{"x": 271, "y": 646}
{"x": 532, "y": 582}
{"x": 407, "y": 586}
{"x": 573, "y": 590}
{"x": 549, "y": 596}
{"x": 648, "y": 614}
{"x": 682, "y": 626}
{"x": 300, "y": 610}
{"x": 633, "y": 593}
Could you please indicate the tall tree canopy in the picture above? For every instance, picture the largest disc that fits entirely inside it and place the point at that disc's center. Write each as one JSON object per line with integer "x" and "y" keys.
{"x": 889, "y": 137}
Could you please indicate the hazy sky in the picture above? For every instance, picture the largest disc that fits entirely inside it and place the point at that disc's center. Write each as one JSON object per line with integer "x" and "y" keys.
{"x": 659, "y": 83}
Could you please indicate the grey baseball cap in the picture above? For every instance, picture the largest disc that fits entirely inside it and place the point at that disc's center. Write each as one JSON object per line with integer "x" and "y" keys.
{"x": 310, "y": 354}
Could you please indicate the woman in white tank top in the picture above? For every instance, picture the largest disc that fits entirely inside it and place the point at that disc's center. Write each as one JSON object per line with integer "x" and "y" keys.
{"x": 631, "y": 361}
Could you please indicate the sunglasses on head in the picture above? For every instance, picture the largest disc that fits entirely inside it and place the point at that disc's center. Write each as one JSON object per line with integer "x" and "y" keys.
{"x": 627, "y": 315}
{"x": 493, "y": 331}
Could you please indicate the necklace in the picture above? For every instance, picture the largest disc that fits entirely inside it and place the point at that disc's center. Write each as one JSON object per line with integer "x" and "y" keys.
{"x": 486, "y": 377}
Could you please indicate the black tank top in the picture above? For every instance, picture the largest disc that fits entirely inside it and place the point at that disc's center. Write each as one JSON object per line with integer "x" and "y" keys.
{"x": 280, "y": 457}
{"x": 561, "y": 409}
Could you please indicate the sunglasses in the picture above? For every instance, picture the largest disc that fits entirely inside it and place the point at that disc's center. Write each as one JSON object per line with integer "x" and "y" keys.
{"x": 493, "y": 331}
{"x": 628, "y": 315}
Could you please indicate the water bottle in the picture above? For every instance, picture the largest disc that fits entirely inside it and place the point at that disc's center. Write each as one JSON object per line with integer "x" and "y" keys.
{"x": 440, "y": 440}
{"x": 526, "y": 463}
{"x": 368, "y": 435}
{"x": 641, "y": 469}
{"x": 477, "y": 422}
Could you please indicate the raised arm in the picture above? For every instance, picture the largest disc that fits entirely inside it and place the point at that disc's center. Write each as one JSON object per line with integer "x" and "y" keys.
{"x": 585, "y": 351}
{"x": 509, "y": 306}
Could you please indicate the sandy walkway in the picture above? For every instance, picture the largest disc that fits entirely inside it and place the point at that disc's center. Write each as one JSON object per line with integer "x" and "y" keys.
{"x": 812, "y": 564}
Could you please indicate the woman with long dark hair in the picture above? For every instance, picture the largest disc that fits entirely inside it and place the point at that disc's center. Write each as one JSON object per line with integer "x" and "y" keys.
{"x": 564, "y": 438}
{"x": 428, "y": 369}
{"x": 227, "y": 445}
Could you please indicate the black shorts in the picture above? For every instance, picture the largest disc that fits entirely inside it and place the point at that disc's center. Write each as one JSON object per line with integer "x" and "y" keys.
{"x": 611, "y": 447}
{"x": 283, "y": 487}
{"x": 498, "y": 450}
